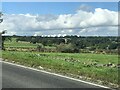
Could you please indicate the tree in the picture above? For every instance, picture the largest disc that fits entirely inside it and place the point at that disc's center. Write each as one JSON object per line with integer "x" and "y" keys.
{"x": 3, "y": 39}
{"x": 40, "y": 47}
{"x": 67, "y": 48}
{"x": 3, "y": 32}
{"x": 1, "y": 19}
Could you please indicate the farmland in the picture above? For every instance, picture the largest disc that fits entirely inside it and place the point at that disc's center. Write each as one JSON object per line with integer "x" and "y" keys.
{"x": 98, "y": 68}
{"x": 13, "y": 43}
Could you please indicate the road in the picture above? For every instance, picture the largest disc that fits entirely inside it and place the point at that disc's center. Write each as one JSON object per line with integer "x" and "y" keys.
{"x": 18, "y": 77}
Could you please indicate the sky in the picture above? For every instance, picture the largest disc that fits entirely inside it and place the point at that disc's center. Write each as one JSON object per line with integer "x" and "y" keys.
{"x": 60, "y": 18}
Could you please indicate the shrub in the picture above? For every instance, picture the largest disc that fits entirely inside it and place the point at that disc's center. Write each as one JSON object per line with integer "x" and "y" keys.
{"x": 40, "y": 47}
{"x": 67, "y": 48}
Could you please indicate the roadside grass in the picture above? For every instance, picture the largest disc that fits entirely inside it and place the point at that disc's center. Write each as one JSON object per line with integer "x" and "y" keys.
{"x": 67, "y": 63}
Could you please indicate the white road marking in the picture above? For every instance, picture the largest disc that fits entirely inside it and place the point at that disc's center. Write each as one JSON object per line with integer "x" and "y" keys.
{"x": 55, "y": 74}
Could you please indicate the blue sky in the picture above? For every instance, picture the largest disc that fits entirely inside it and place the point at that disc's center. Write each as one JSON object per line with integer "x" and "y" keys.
{"x": 47, "y": 18}
{"x": 52, "y": 7}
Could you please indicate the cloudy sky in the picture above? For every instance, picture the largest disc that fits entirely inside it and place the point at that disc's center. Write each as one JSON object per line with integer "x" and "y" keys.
{"x": 60, "y": 18}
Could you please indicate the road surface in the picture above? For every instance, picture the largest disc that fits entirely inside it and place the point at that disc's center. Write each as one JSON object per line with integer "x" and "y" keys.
{"x": 18, "y": 77}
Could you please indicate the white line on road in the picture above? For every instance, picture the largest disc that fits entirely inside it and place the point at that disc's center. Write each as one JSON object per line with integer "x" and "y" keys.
{"x": 55, "y": 74}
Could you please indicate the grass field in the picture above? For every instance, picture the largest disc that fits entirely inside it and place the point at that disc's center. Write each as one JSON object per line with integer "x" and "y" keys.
{"x": 86, "y": 65}
{"x": 19, "y": 44}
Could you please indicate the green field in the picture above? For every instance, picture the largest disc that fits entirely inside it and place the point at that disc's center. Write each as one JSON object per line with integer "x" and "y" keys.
{"x": 87, "y": 65}
{"x": 19, "y": 44}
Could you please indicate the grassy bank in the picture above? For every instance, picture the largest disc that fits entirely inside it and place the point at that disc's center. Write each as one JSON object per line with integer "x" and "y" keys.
{"x": 86, "y": 65}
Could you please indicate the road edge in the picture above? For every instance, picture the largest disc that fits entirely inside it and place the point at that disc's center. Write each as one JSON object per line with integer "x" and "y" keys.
{"x": 43, "y": 71}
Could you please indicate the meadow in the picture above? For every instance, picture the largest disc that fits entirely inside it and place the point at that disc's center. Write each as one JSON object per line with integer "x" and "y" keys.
{"x": 21, "y": 44}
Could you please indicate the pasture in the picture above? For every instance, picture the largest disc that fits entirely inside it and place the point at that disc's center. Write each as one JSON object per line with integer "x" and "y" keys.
{"x": 19, "y": 44}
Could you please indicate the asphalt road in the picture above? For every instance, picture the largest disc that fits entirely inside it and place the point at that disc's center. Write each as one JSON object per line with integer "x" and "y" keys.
{"x": 18, "y": 77}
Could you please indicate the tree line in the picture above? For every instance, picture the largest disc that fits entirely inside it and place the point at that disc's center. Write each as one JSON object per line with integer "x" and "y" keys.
{"x": 71, "y": 44}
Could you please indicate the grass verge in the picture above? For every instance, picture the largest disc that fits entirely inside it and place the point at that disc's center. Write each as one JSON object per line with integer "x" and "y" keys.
{"x": 76, "y": 65}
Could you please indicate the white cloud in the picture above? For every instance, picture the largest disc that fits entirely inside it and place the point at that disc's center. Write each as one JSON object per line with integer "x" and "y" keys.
{"x": 85, "y": 7}
{"x": 70, "y": 30}
{"x": 101, "y": 21}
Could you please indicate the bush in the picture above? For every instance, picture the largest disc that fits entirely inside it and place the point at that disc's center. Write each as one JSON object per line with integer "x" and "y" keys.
{"x": 40, "y": 47}
{"x": 67, "y": 48}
